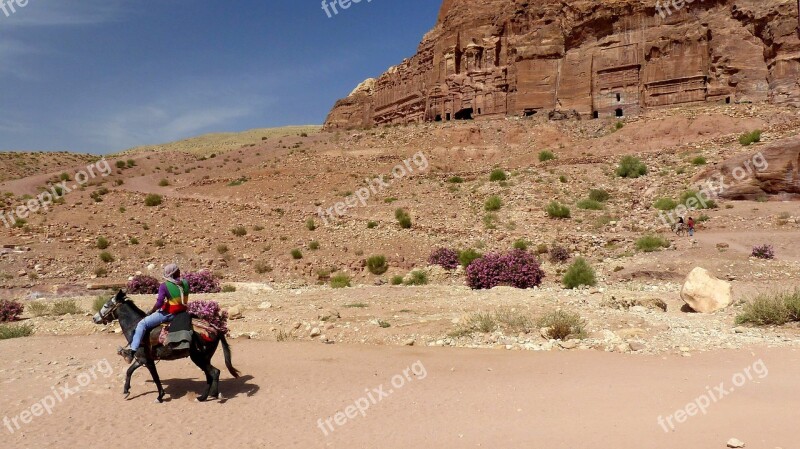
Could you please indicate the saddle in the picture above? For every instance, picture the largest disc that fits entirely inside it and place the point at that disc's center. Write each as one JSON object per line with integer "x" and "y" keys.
{"x": 173, "y": 340}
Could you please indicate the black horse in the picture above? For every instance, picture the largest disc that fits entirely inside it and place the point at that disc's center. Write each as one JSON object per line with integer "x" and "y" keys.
{"x": 121, "y": 308}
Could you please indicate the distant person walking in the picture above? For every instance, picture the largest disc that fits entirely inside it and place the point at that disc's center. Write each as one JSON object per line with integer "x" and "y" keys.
{"x": 691, "y": 227}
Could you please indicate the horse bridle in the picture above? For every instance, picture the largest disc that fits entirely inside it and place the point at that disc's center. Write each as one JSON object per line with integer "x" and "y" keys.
{"x": 110, "y": 315}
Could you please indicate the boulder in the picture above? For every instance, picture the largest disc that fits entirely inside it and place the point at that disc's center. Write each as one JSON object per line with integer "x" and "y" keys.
{"x": 235, "y": 312}
{"x": 704, "y": 293}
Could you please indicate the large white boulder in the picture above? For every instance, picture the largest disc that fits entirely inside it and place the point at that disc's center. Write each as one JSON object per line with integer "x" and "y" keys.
{"x": 704, "y": 293}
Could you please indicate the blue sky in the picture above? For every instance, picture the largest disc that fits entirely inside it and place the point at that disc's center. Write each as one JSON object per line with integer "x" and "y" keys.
{"x": 105, "y": 75}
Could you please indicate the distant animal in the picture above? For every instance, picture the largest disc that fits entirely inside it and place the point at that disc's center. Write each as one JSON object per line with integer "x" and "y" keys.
{"x": 123, "y": 309}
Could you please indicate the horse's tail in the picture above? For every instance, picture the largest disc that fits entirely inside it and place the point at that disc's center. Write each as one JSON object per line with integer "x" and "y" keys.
{"x": 226, "y": 349}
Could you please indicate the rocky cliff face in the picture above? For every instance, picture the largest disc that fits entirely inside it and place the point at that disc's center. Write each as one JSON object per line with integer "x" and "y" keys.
{"x": 492, "y": 58}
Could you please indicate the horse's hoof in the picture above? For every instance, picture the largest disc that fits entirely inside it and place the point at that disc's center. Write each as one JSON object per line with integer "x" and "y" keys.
{"x": 201, "y": 399}
{"x": 126, "y": 394}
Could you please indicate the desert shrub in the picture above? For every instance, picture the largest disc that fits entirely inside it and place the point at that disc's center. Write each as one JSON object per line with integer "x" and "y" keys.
{"x": 313, "y": 245}
{"x": 163, "y": 183}
{"x": 211, "y": 312}
{"x": 38, "y": 308}
{"x": 310, "y": 225}
{"x": 397, "y": 280}
{"x": 563, "y": 179}
{"x": 650, "y": 243}
{"x": 416, "y": 278}
{"x": 546, "y": 155}
{"x": 445, "y": 258}
{"x": 377, "y": 265}
{"x": 101, "y": 272}
{"x": 541, "y": 249}
{"x": 262, "y": 267}
{"x": 131, "y": 163}
{"x": 520, "y": 244}
{"x": 518, "y": 269}
{"x": 202, "y": 282}
{"x": 152, "y": 200}
{"x": 102, "y": 243}
{"x": 340, "y": 281}
{"x": 66, "y": 307}
{"x": 559, "y": 254}
{"x": 765, "y": 252}
{"x": 557, "y": 210}
{"x": 498, "y": 175}
{"x": 106, "y": 257}
{"x": 493, "y": 203}
{"x": 580, "y": 273}
{"x": 372, "y": 225}
{"x": 403, "y": 218}
{"x": 456, "y": 180}
{"x": 159, "y": 243}
{"x": 222, "y": 249}
{"x": 296, "y": 254}
{"x": 631, "y": 167}
{"x": 562, "y": 325}
{"x": 133, "y": 240}
{"x": 665, "y": 204}
{"x": 599, "y": 195}
{"x": 98, "y": 303}
{"x": 143, "y": 285}
{"x": 228, "y": 288}
{"x": 590, "y": 204}
{"x": 239, "y": 231}
{"x": 120, "y": 164}
{"x": 693, "y": 200}
{"x": 10, "y": 311}
{"x": 8, "y": 331}
{"x": 771, "y": 309}
{"x": 467, "y": 256}
{"x": 750, "y": 138}
{"x": 699, "y": 160}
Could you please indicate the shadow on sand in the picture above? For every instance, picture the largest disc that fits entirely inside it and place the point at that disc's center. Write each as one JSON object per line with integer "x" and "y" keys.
{"x": 228, "y": 388}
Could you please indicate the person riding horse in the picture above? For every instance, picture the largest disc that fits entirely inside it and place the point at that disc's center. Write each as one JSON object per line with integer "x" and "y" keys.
{"x": 173, "y": 297}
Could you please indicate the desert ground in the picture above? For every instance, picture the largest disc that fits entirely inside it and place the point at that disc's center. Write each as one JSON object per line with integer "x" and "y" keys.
{"x": 494, "y": 377}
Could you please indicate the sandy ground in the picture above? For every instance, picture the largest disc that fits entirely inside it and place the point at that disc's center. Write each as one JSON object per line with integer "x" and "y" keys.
{"x": 455, "y": 398}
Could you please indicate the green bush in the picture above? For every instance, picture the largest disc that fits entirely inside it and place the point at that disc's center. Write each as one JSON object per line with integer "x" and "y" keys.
{"x": 102, "y": 243}
{"x": 578, "y": 274}
{"x": 152, "y": 200}
{"x": 66, "y": 307}
{"x": 563, "y": 179}
{"x": 493, "y": 203}
{"x": 313, "y": 246}
{"x": 750, "y": 138}
{"x": 8, "y": 331}
{"x": 163, "y": 183}
{"x": 650, "y": 243}
{"x": 557, "y": 210}
{"x": 546, "y": 155}
{"x": 377, "y": 265}
{"x": 120, "y": 164}
{"x": 310, "y": 225}
{"x": 262, "y": 267}
{"x": 417, "y": 278}
{"x": 372, "y": 225}
{"x": 467, "y": 256}
{"x": 771, "y": 309}
{"x": 699, "y": 160}
{"x": 98, "y": 303}
{"x": 397, "y": 280}
{"x": 665, "y": 204}
{"x": 631, "y": 167}
{"x": 340, "y": 281}
{"x": 296, "y": 254}
{"x": 38, "y": 308}
{"x": 228, "y": 288}
{"x": 498, "y": 175}
{"x": 403, "y": 218}
{"x": 106, "y": 257}
{"x": 456, "y": 180}
{"x": 691, "y": 199}
{"x": 239, "y": 231}
{"x": 599, "y": 195}
{"x": 521, "y": 244}
{"x": 590, "y": 205}
{"x": 562, "y": 325}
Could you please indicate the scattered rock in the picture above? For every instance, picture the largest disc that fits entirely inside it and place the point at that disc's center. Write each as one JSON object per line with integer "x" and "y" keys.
{"x": 733, "y": 442}
{"x": 265, "y": 305}
{"x": 235, "y": 312}
{"x": 705, "y": 293}
{"x": 315, "y": 332}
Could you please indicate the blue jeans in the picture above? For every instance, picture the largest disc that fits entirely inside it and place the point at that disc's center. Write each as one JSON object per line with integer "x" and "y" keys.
{"x": 148, "y": 323}
{"x": 691, "y": 232}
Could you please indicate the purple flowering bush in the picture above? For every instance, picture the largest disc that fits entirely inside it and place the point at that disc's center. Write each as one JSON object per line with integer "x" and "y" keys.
{"x": 210, "y": 311}
{"x": 202, "y": 282}
{"x": 10, "y": 311}
{"x": 143, "y": 285}
{"x": 444, "y": 257}
{"x": 518, "y": 269}
{"x": 763, "y": 252}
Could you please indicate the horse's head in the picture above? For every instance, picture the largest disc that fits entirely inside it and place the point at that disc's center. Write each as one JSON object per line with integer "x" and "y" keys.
{"x": 108, "y": 312}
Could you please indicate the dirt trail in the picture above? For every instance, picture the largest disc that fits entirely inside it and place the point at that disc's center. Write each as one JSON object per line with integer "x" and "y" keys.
{"x": 461, "y": 398}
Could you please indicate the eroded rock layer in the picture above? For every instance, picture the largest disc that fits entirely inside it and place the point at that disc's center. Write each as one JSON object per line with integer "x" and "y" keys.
{"x": 489, "y": 58}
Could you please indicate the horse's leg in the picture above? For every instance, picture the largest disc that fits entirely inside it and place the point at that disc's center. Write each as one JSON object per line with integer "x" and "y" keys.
{"x": 199, "y": 358}
{"x": 151, "y": 365}
{"x": 214, "y": 392}
{"x": 127, "y": 389}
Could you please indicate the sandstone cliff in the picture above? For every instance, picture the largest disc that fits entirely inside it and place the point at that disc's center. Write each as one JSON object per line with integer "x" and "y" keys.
{"x": 492, "y": 58}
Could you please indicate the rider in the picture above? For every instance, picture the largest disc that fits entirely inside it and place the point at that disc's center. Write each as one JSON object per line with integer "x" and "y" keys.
{"x": 173, "y": 296}
{"x": 691, "y": 227}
